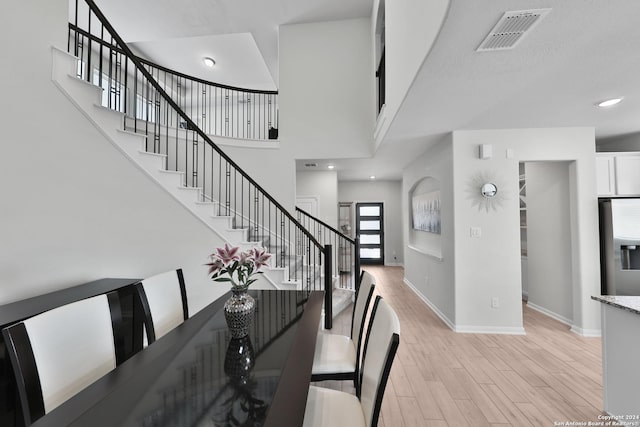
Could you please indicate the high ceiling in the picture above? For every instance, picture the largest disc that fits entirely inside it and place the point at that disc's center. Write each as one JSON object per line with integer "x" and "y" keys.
{"x": 241, "y": 35}
{"x": 582, "y": 52}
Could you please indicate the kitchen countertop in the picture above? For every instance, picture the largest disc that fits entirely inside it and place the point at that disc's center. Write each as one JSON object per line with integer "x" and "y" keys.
{"x": 626, "y": 302}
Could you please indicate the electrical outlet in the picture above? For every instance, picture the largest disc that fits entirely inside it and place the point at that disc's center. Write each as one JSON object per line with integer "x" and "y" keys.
{"x": 475, "y": 232}
{"x": 495, "y": 302}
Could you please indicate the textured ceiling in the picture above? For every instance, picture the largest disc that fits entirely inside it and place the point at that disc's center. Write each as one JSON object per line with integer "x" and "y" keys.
{"x": 582, "y": 52}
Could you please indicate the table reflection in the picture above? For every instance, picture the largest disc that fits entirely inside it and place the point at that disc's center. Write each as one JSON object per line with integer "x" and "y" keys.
{"x": 244, "y": 403}
{"x": 221, "y": 381}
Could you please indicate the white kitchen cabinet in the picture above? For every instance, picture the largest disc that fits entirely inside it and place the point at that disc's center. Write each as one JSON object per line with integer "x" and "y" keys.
{"x": 618, "y": 174}
{"x": 628, "y": 175}
{"x": 605, "y": 171}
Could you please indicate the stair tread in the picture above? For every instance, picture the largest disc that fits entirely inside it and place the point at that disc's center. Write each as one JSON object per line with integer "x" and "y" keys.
{"x": 152, "y": 154}
{"x": 130, "y": 132}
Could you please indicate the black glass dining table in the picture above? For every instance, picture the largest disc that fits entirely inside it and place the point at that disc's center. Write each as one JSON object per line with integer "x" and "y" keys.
{"x": 198, "y": 375}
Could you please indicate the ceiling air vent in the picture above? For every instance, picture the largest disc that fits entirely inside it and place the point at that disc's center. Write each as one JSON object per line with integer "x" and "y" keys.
{"x": 511, "y": 28}
{"x": 311, "y": 165}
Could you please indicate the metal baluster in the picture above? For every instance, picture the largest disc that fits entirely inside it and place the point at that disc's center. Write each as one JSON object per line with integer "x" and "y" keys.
{"x": 226, "y": 112}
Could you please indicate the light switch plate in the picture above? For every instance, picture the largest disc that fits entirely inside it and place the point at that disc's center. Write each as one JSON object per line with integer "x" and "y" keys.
{"x": 475, "y": 232}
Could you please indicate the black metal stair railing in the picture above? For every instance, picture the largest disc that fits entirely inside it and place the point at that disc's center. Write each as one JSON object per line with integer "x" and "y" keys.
{"x": 131, "y": 88}
{"x": 346, "y": 263}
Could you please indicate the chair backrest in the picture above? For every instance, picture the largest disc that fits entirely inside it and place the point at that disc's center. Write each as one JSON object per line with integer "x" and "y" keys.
{"x": 363, "y": 299}
{"x": 364, "y": 293}
{"x": 383, "y": 338}
{"x": 164, "y": 302}
{"x": 57, "y": 353}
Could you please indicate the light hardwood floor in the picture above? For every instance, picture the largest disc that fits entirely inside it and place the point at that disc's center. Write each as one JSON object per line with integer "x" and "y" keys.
{"x": 442, "y": 378}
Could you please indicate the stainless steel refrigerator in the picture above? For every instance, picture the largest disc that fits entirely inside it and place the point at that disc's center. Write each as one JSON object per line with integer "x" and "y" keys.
{"x": 620, "y": 246}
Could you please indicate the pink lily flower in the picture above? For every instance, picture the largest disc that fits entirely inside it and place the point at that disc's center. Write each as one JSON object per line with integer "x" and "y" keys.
{"x": 260, "y": 257}
{"x": 228, "y": 254}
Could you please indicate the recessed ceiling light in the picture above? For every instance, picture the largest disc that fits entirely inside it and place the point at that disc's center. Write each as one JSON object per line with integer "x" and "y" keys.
{"x": 209, "y": 62}
{"x": 372, "y": 177}
{"x": 609, "y": 102}
{"x": 330, "y": 167}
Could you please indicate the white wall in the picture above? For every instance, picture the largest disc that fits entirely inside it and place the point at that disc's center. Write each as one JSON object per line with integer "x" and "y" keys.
{"x": 411, "y": 29}
{"x": 387, "y": 192}
{"x": 429, "y": 259}
{"x": 326, "y": 101}
{"x": 323, "y": 185}
{"x": 490, "y": 266}
{"x": 487, "y": 267}
{"x": 73, "y": 208}
{"x": 629, "y": 142}
{"x": 549, "y": 239}
{"x": 265, "y": 164}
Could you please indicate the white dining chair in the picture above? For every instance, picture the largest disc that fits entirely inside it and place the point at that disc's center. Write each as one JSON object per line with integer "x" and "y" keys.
{"x": 164, "y": 303}
{"x": 337, "y": 357}
{"x": 328, "y": 408}
{"x": 58, "y": 353}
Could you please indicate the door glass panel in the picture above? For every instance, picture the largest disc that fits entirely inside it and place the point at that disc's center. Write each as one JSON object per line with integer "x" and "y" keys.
{"x": 369, "y": 210}
{"x": 370, "y": 239}
{"x": 369, "y": 225}
{"x": 369, "y": 253}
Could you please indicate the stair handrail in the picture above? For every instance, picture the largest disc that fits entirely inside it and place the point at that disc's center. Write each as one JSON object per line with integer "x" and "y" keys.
{"x": 353, "y": 282}
{"x": 321, "y": 222}
{"x": 127, "y": 51}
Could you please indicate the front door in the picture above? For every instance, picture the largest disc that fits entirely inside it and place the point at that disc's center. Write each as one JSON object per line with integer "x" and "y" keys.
{"x": 370, "y": 228}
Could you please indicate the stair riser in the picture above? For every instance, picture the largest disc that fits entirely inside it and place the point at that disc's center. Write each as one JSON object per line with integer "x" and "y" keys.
{"x": 150, "y": 162}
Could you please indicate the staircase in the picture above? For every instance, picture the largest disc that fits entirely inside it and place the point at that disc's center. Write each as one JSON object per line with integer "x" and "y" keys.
{"x": 129, "y": 105}
{"x": 88, "y": 98}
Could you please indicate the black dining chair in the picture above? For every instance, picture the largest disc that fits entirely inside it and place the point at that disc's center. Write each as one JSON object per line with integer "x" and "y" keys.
{"x": 164, "y": 303}
{"x": 58, "y": 353}
{"x": 328, "y": 408}
{"x": 337, "y": 357}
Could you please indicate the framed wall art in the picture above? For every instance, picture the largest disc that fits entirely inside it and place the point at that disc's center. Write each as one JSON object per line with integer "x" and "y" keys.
{"x": 425, "y": 212}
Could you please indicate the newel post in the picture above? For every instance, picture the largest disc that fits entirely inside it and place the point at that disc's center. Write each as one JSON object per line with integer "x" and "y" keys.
{"x": 328, "y": 287}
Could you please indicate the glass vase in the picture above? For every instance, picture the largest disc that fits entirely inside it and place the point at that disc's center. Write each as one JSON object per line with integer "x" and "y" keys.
{"x": 238, "y": 312}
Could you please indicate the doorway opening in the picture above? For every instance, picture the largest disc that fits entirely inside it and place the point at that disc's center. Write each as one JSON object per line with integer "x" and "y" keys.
{"x": 546, "y": 239}
{"x": 370, "y": 228}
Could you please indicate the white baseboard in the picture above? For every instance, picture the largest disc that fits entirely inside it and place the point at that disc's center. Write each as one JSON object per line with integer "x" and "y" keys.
{"x": 429, "y": 304}
{"x": 550, "y": 313}
{"x": 394, "y": 264}
{"x": 511, "y": 330}
{"x": 588, "y": 333}
{"x": 501, "y": 330}
{"x": 592, "y": 333}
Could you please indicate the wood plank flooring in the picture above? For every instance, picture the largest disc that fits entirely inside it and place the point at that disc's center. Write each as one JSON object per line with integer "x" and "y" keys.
{"x": 442, "y": 378}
